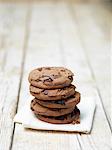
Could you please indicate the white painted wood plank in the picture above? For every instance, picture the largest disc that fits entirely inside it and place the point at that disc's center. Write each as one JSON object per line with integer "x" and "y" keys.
{"x": 12, "y": 28}
{"x": 74, "y": 57}
{"x": 94, "y": 27}
{"x": 43, "y": 50}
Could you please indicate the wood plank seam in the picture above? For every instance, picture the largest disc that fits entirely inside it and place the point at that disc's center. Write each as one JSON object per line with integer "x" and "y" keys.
{"x": 63, "y": 58}
{"x": 91, "y": 141}
{"x": 89, "y": 65}
{"x": 79, "y": 141}
{"x": 28, "y": 17}
{"x": 5, "y": 53}
{"x": 12, "y": 21}
{"x": 64, "y": 63}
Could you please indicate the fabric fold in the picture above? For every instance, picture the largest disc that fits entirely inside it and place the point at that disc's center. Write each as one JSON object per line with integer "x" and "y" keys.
{"x": 87, "y": 108}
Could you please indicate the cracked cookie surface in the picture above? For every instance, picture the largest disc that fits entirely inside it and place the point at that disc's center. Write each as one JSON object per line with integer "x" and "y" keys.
{"x": 52, "y": 94}
{"x": 50, "y": 77}
{"x": 38, "y": 109}
{"x": 64, "y": 103}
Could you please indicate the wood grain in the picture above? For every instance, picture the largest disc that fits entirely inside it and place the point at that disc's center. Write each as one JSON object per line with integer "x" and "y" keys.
{"x": 12, "y": 27}
{"x": 97, "y": 48}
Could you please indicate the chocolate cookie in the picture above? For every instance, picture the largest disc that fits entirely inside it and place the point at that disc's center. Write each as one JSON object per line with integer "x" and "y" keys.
{"x": 50, "y": 77}
{"x": 67, "y": 103}
{"x": 73, "y": 117}
{"x": 38, "y": 109}
{"x": 52, "y": 94}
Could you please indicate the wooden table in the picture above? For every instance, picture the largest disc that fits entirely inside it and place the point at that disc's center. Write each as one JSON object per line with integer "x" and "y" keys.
{"x": 54, "y": 34}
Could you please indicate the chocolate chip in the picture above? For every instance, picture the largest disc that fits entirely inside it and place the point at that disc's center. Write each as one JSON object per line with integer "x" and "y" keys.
{"x": 48, "y": 68}
{"x": 47, "y": 78}
{"x": 70, "y": 77}
{"x": 60, "y": 118}
{"x": 62, "y": 70}
{"x": 63, "y": 96}
{"x": 62, "y": 102}
{"x": 50, "y": 101}
{"x": 56, "y": 76}
{"x": 31, "y": 108}
{"x": 32, "y": 101}
{"x": 65, "y": 117}
{"x": 72, "y": 113}
{"x": 39, "y": 69}
{"x": 38, "y": 80}
{"x": 45, "y": 92}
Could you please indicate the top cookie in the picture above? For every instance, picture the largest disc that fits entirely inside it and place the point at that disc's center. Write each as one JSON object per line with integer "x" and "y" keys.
{"x": 51, "y": 77}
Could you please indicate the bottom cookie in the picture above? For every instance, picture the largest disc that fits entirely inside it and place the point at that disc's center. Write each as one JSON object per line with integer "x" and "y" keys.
{"x": 73, "y": 117}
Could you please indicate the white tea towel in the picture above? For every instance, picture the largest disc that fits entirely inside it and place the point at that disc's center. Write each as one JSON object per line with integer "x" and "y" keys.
{"x": 87, "y": 109}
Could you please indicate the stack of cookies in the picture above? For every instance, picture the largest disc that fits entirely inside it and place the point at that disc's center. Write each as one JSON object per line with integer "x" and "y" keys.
{"x": 55, "y": 97}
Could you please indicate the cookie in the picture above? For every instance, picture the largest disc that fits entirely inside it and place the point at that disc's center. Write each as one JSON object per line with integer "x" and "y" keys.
{"x": 50, "y": 77}
{"x": 38, "y": 109}
{"x": 67, "y": 103}
{"x": 73, "y": 117}
{"x": 52, "y": 94}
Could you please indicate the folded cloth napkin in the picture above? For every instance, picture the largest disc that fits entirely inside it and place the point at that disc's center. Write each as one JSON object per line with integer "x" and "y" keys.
{"x": 87, "y": 109}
